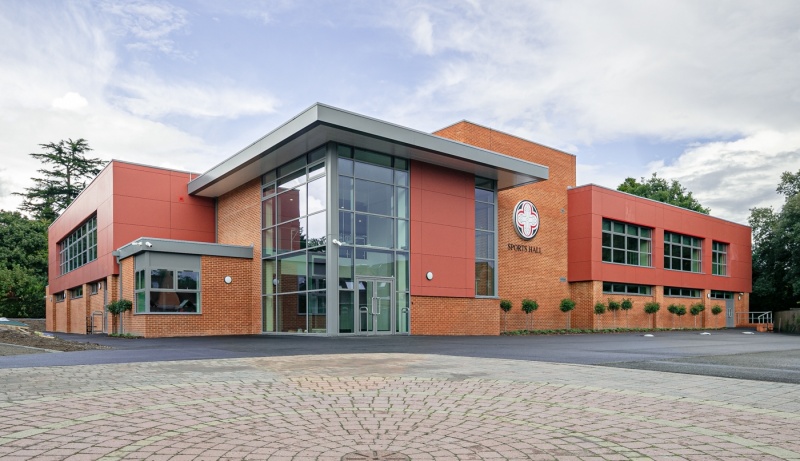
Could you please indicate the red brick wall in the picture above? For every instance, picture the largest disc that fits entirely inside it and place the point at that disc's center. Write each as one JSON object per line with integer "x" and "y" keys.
{"x": 239, "y": 223}
{"x": 521, "y": 275}
{"x": 454, "y": 316}
{"x": 225, "y": 308}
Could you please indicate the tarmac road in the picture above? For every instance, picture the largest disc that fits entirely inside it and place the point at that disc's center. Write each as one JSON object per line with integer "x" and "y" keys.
{"x": 725, "y": 353}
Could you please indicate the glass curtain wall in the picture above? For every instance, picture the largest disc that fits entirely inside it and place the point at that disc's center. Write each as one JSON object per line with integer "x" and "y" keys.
{"x": 294, "y": 238}
{"x": 373, "y": 230}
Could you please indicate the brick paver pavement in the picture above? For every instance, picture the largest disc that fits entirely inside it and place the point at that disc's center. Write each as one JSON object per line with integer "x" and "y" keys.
{"x": 422, "y": 406}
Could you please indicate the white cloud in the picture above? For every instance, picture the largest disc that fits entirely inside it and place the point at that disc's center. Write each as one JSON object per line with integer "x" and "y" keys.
{"x": 70, "y": 88}
{"x": 422, "y": 33}
{"x": 151, "y": 97}
{"x": 149, "y": 23}
{"x": 732, "y": 177}
{"x": 583, "y": 72}
{"x": 70, "y": 101}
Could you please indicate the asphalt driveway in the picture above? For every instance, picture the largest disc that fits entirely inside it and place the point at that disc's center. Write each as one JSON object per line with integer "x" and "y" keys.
{"x": 725, "y": 353}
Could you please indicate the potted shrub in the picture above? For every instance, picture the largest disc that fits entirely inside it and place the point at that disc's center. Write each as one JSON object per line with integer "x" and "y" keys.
{"x": 506, "y": 306}
{"x": 529, "y": 306}
{"x": 599, "y": 310}
{"x": 650, "y": 309}
{"x": 626, "y": 305}
{"x": 613, "y": 307}
{"x": 566, "y": 306}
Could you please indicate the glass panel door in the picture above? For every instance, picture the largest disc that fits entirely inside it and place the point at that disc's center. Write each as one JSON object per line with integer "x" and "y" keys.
{"x": 376, "y": 306}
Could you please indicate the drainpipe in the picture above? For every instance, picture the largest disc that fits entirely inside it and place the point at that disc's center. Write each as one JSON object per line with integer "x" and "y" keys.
{"x": 119, "y": 282}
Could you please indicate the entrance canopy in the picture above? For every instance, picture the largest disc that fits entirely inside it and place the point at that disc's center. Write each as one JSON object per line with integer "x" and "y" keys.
{"x": 321, "y": 123}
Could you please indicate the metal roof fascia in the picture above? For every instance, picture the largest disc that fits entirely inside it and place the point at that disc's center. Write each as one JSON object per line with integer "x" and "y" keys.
{"x": 185, "y": 247}
{"x": 523, "y": 171}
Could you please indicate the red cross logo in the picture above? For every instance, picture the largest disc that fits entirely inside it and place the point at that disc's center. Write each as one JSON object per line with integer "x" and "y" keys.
{"x": 526, "y": 219}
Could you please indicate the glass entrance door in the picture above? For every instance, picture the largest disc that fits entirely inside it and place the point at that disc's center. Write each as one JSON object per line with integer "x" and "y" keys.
{"x": 376, "y": 306}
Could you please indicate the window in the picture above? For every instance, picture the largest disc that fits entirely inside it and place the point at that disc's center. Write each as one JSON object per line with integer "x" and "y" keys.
{"x": 167, "y": 284}
{"x": 681, "y": 292}
{"x": 682, "y": 252}
{"x": 80, "y": 247}
{"x": 627, "y": 244}
{"x": 485, "y": 236}
{"x": 94, "y": 288}
{"x": 139, "y": 293}
{"x": 174, "y": 291}
{"x": 719, "y": 258}
{"x": 626, "y": 289}
{"x": 60, "y": 297}
{"x": 721, "y": 294}
{"x": 76, "y": 292}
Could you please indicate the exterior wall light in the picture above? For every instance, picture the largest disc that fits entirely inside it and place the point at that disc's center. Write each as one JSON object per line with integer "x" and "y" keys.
{"x": 429, "y": 276}
{"x": 228, "y": 279}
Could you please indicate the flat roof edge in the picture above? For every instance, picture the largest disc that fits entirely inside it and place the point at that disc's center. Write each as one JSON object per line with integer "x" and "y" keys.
{"x": 659, "y": 202}
{"x": 159, "y": 245}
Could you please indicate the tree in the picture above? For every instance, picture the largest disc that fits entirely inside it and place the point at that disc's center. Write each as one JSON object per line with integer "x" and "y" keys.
{"x": 614, "y": 306}
{"x": 776, "y": 244}
{"x": 21, "y": 293}
{"x": 506, "y": 306}
{"x": 626, "y": 305}
{"x": 696, "y": 309}
{"x": 673, "y": 309}
{"x": 650, "y": 309}
{"x": 65, "y": 174}
{"x": 659, "y": 189}
{"x": 116, "y": 308}
{"x": 599, "y": 310}
{"x": 567, "y": 305}
{"x": 681, "y": 311}
{"x": 529, "y": 306}
{"x": 23, "y": 265}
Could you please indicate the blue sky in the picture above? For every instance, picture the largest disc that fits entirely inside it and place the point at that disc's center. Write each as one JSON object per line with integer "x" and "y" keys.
{"x": 707, "y": 93}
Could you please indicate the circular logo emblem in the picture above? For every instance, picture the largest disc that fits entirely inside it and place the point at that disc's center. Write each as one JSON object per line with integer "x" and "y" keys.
{"x": 526, "y": 219}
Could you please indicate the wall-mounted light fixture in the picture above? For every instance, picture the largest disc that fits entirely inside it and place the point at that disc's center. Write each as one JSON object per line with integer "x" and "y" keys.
{"x": 228, "y": 279}
{"x": 147, "y": 244}
{"x": 429, "y": 276}
{"x": 336, "y": 242}
{"x": 708, "y": 295}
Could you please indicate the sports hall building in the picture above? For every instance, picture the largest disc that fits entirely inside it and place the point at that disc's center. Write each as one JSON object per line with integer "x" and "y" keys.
{"x": 340, "y": 224}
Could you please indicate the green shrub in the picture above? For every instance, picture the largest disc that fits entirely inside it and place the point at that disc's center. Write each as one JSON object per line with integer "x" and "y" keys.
{"x": 599, "y": 308}
{"x": 716, "y": 310}
{"x": 506, "y": 305}
{"x": 529, "y": 305}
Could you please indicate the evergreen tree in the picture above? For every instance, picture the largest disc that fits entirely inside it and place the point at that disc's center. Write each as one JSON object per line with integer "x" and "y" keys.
{"x": 66, "y": 170}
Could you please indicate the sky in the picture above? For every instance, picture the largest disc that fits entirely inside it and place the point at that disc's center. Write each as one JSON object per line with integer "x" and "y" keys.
{"x": 706, "y": 93}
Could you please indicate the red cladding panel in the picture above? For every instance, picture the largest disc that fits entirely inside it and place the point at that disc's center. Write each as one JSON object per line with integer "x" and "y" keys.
{"x": 619, "y": 206}
{"x": 442, "y": 231}
{"x": 130, "y": 201}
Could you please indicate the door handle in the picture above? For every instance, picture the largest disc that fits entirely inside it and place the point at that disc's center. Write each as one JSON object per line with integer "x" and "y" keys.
{"x": 376, "y": 309}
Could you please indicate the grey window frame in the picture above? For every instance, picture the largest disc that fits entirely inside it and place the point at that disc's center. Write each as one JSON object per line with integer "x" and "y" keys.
{"x": 79, "y": 247}
{"x": 487, "y": 185}
{"x": 719, "y": 258}
{"x": 675, "y": 241}
{"x": 631, "y": 243}
{"x": 678, "y": 292}
{"x": 628, "y": 289}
